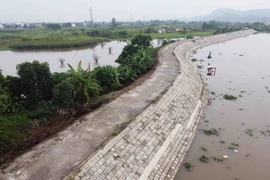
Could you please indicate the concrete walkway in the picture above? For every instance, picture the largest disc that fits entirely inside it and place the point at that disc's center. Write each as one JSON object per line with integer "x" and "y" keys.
{"x": 154, "y": 143}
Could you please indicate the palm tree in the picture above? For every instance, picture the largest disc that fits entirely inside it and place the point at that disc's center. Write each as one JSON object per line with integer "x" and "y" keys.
{"x": 85, "y": 84}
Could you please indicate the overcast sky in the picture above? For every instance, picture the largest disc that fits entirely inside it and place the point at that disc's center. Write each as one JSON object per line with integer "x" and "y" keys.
{"x": 122, "y": 10}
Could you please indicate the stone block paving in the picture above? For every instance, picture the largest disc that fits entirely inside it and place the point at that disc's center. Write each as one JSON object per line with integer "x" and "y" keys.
{"x": 155, "y": 143}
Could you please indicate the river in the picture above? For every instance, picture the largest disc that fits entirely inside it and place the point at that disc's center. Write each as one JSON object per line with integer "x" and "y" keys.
{"x": 10, "y": 59}
{"x": 243, "y": 71}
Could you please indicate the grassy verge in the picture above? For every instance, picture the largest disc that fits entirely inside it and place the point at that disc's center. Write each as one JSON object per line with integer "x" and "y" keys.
{"x": 13, "y": 129}
{"x": 42, "y": 38}
{"x": 181, "y": 35}
{"x": 54, "y": 44}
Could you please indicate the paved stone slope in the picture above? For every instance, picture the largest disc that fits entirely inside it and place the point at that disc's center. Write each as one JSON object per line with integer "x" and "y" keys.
{"x": 155, "y": 143}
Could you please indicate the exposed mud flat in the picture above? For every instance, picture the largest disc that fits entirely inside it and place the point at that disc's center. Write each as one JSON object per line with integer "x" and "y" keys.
{"x": 242, "y": 71}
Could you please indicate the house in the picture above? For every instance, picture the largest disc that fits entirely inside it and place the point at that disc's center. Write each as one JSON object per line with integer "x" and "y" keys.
{"x": 161, "y": 31}
{"x": 38, "y": 25}
{"x": 73, "y": 25}
{"x": 1, "y": 26}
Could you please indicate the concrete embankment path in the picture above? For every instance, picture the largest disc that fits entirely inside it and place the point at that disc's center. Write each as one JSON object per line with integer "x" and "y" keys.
{"x": 153, "y": 144}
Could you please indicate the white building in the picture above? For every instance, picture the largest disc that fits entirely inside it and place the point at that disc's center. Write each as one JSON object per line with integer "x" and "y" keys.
{"x": 1, "y": 26}
{"x": 162, "y": 31}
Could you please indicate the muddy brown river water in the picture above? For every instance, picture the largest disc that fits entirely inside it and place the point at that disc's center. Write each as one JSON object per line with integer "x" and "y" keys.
{"x": 243, "y": 70}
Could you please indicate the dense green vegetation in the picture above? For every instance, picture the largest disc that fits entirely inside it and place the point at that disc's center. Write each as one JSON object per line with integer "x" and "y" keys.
{"x": 55, "y": 36}
{"x": 33, "y": 103}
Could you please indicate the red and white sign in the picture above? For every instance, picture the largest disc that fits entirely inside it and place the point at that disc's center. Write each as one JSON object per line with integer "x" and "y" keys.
{"x": 211, "y": 71}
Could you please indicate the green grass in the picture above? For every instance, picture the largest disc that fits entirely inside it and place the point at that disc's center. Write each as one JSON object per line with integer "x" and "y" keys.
{"x": 229, "y": 97}
{"x": 180, "y": 35}
{"x": 54, "y": 44}
{"x": 44, "y": 38}
{"x": 222, "y": 142}
{"x": 235, "y": 144}
{"x": 217, "y": 159}
{"x": 188, "y": 166}
{"x": 203, "y": 148}
{"x": 211, "y": 132}
{"x": 204, "y": 159}
{"x": 249, "y": 132}
{"x": 13, "y": 128}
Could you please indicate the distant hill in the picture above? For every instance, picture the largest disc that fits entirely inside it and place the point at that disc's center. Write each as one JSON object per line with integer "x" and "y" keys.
{"x": 231, "y": 15}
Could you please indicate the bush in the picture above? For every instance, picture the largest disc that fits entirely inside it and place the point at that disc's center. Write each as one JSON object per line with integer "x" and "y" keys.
{"x": 189, "y": 36}
{"x": 127, "y": 52}
{"x": 54, "y": 26}
{"x": 107, "y": 77}
{"x": 229, "y": 97}
{"x": 166, "y": 42}
{"x": 7, "y": 100}
{"x": 126, "y": 74}
{"x": 59, "y": 77}
{"x": 13, "y": 127}
{"x": 43, "y": 113}
{"x": 142, "y": 40}
{"x": 63, "y": 95}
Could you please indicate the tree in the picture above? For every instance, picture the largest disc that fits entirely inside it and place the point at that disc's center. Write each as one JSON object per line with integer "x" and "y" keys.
{"x": 142, "y": 40}
{"x": 66, "y": 24}
{"x": 54, "y": 26}
{"x": 128, "y": 50}
{"x": 114, "y": 22}
{"x": 204, "y": 26}
{"x": 85, "y": 84}
{"x": 36, "y": 82}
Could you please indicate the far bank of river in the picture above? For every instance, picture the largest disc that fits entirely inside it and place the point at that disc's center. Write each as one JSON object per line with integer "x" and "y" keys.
{"x": 243, "y": 124}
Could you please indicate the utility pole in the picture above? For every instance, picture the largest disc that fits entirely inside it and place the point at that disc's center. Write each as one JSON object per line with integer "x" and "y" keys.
{"x": 91, "y": 16}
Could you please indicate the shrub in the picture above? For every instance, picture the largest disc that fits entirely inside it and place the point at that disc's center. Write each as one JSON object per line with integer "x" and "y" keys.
{"x": 59, "y": 77}
{"x": 229, "y": 97}
{"x": 142, "y": 40}
{"x": 126, "y": 74}
{"x": 204, "y": 159}
{"x": 43, "y": 113}
{"x": 13, "y": 127}
{"x": 63, "y": 95}
{"x": 211, "y": 132}
{"x": 107, "y": 77}
{"x": 166, "y": 42}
